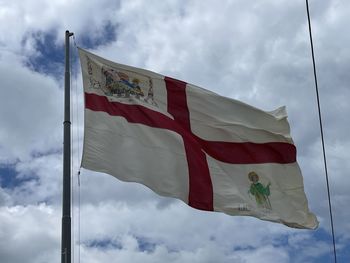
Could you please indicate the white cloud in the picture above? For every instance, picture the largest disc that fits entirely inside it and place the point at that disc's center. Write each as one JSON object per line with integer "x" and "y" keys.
{"x": 29, "y": 234}
{"x": 207, "y": 254}
{"x": 265, "y": 254}
{"x": 179, "y": 234}
{"x": 30, "y": 111}
{"x": 42, "y": 180}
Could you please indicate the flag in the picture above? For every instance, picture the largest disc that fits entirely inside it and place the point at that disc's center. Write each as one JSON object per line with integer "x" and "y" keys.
{"x": 182, "y": 141}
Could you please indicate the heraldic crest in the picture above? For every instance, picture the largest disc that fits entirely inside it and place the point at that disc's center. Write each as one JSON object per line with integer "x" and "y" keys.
{"x": 121, "y": 83}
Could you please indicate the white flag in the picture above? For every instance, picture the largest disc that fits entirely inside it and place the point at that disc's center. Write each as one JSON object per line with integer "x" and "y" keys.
{"x": 182, "y": 141}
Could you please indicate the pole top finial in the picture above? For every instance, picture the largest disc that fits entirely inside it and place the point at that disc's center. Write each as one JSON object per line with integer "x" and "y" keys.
{"x": 69, "y": 33}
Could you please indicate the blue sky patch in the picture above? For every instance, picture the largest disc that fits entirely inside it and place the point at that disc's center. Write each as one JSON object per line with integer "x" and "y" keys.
{"x": 145, "y": 245}
{"x": 10, "y": 179}
{"x": 106, "y": 35}
{"x": 49, "y": 56}
{"x": 104, "y": 244}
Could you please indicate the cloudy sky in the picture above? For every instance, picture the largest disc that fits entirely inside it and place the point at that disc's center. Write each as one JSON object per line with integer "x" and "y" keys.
{"x": 254, "y": 51}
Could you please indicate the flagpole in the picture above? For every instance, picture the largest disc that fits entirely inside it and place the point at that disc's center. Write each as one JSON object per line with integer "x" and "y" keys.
{"x": 66, "y": 199}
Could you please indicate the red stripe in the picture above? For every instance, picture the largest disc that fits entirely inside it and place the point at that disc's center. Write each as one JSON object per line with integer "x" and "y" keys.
{"x": 248, "y": 152}
{"x": 177, "y": 102}
{"x": 201, "y": 188}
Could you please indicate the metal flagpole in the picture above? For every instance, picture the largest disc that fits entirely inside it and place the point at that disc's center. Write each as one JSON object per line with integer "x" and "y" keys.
{"x": 66, "y": 200}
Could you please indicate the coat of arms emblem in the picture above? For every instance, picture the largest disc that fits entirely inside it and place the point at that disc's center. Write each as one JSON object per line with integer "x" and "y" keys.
{"x": 121, "y": 83}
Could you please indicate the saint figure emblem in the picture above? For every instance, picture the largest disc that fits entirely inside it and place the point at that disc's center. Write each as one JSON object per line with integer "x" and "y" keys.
{"x": 260, "y": 192}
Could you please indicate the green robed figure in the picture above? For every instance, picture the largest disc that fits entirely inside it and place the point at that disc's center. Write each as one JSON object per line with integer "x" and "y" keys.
{"x": 260, "y": 192}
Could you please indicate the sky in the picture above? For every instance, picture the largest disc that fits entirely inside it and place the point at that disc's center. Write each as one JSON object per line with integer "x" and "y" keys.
{"x": 254, "y": 51}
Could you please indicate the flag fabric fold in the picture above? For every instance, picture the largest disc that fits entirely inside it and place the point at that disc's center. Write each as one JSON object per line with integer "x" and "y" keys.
{"x": 182, "y": 141}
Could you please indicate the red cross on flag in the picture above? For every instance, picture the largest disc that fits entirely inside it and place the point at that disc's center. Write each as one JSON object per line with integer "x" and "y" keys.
{"x": 182, "y": 141}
